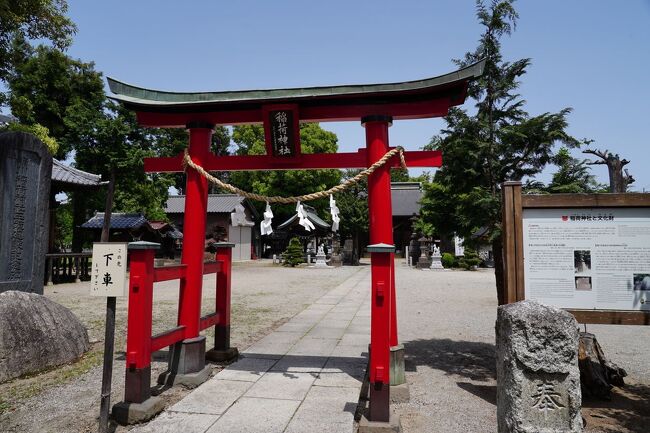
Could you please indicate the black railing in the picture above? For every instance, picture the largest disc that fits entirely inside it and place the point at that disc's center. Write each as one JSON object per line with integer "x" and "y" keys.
{"x": 67, "y": 267}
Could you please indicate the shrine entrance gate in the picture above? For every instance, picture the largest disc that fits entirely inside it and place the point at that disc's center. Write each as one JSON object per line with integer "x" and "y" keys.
{"x": 280, "y": 111}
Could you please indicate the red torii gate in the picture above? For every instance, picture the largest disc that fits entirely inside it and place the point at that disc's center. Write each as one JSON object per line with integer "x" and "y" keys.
{"x": 281, "y": 110}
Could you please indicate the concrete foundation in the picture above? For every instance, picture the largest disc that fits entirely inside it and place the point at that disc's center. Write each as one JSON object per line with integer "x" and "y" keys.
{"x": 392, "y": 426}
{"x": 188, "y": 380}
{"x": 216, "y": 355}
{"x": 132, "y": 413}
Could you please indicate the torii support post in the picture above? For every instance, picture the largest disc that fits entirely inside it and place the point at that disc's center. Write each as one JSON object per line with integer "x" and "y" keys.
{"x": 139, "y": 405}
{"x": 222, "y": 350}
{"x": 383, "y": 315}
{"x": 187, "y": 361}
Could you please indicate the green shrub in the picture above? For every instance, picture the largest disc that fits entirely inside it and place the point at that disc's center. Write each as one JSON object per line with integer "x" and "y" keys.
{"x": 448, "y": 260}
{"x": 470, "y": 259}
{"x": 293, "y": 255}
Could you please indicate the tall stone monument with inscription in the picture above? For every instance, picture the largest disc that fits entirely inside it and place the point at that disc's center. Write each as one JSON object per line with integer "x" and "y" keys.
{"x": 25, "y": 173}
{"x": 538, "y": 380}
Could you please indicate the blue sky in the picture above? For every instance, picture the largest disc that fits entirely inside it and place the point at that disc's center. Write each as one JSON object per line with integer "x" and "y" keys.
{"x": 591, "y": 55}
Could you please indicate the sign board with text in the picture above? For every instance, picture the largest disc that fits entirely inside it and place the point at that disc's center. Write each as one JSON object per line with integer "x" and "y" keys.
{"x": 588, "y": 258}
{"x": 108, "y": 277}
{"x": 586, "y": 253}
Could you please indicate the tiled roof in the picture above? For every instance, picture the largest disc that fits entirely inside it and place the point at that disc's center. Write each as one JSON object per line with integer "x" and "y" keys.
{"x": 118, "y": 221}
{"x": 66, "y": 174}
{"x": 217, "y": 203}
{"x": 405, "y": 198}
{"x": 311, "y": 216}
{"x": 158, "y": 225}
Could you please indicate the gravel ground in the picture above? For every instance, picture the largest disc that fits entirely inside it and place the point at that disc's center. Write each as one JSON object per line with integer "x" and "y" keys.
{"x": 446, "y": 323}
{"x": 66, "y": 399}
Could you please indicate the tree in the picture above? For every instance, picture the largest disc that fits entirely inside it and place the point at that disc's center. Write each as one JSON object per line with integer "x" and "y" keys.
{"x": 470, "y": 260}
{"x": 249, "y": 140}
{"x": 619, "y": 178}
{"x": 31, "y": 20}
{"x": 353, "y": 210}
{"x": 499, "y": 142}
{"x": 573, "y": 175}
{"x": 293, "y": 255}
{"x": 110, "y": 142}
{"x": 172, "y": 141}
{"x": 38, "y": 130}
{"x": 46, "y": 85}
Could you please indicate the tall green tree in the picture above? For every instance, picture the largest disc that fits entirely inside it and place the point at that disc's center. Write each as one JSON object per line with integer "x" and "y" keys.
{"x": 573, "y": 175}
{"x": 24, "y": 20}
{"x": 48, "y": 84}
{"x": 172, "y": 141}
{"x": 249, "y": 140}
{"x": 353, "y": 210}
{"x": 500, "y": 141}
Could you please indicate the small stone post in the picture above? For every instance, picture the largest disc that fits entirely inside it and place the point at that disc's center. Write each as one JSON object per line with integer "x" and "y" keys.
{"x": 538, "y": 381}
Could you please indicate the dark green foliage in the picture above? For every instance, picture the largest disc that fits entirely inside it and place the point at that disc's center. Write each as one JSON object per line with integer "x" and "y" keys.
{"x": 25, "y": 20}
{"x": 500, "y": 142}
{"x": 63, "y": 224}
{"x": 448, "y": 260}
{"x": 470, "y": 259}
{"x": 249, "y": 140}
{"x": 353, "y": 207}
{"x": 573, "y": 175}
{"x": 47, "y": 85}
{"x": 293, "y": 255}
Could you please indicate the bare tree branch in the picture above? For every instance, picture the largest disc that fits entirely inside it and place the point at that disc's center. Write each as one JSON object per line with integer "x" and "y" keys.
{"x": 598, "y": 153}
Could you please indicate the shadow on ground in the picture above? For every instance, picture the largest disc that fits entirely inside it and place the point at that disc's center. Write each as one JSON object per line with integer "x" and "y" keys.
{"x": 627, "y": 411}
{"x": 469, "y": 359}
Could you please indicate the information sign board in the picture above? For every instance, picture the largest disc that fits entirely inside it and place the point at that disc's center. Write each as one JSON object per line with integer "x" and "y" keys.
{"x": 108, "y": 269}
{"x": 587, "y": 258}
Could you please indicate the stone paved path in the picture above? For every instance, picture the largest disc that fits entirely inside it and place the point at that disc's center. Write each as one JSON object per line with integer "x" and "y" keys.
{"x": 303, "y": 377}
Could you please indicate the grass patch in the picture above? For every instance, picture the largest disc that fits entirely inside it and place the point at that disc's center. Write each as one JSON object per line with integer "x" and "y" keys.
{"x": 22, "y": 388}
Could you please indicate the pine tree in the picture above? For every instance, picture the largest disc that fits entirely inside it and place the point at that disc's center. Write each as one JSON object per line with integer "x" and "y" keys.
{"x": 470, "y": 259}
{"x": 500, "y": 142}
{"x": 293, "y": 255}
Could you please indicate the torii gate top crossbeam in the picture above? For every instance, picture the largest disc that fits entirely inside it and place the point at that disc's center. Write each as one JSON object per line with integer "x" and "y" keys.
{"x": 425, "y": 98}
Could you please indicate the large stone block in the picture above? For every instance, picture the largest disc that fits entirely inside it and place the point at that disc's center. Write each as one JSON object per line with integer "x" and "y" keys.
{"x": 36, "y": 333}
{"x": 25, "y": 174}
{"x": 538, "y": 381}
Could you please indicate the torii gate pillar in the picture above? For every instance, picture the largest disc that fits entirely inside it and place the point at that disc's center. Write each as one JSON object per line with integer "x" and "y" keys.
{"x": 191, "y": 357}
{"x": 383, "y": 315}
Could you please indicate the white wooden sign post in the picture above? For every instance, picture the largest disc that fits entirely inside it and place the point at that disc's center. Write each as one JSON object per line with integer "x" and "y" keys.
{"x": 109, "y": 269}
{"x": 108, "y": 279}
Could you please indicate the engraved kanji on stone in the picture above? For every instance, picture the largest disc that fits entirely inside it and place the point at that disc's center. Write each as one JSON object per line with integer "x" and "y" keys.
{"x": 545, "y": 398}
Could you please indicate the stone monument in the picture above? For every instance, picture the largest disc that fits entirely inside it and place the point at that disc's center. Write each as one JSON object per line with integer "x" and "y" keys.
{"x": 414, "y": 249}
{"x": 348, "y": 253}
{"x": 423, "y": 260}
{"x": 335, "y": 259}
{"x": 538, "y": 380}
{"x": 436, "y": 259}
{"x": 37, "y": 333}
{"x": 25, "y": 174}
{"x": 321, "y": 261}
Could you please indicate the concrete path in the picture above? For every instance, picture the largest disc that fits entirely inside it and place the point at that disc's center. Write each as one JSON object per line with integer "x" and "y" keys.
{"x": 303, "y": 377}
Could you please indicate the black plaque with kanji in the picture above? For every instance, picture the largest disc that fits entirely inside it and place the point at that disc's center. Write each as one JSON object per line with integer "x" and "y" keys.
{"x": 282, "y": 133}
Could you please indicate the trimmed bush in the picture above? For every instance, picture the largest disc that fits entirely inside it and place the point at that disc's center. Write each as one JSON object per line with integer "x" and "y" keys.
{"x": 293, "y": 255}
{"x": 470, "y": 260}
{"x": 448, "y": 260}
